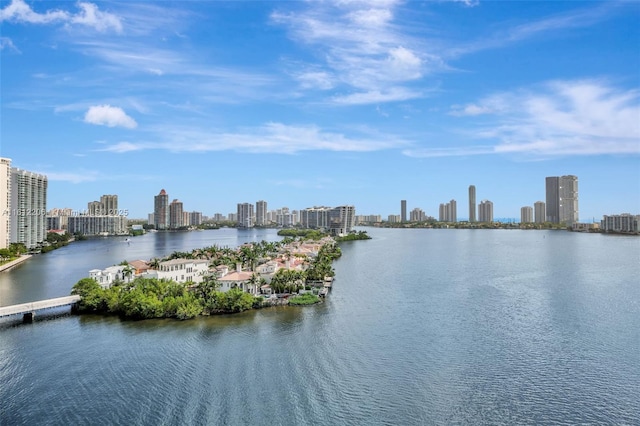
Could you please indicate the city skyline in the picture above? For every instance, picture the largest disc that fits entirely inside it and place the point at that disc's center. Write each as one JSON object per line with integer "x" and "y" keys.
{"x": 324, "y": 103}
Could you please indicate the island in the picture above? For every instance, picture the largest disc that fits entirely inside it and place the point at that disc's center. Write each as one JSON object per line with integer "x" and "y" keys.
{"x": 213, "y": 280}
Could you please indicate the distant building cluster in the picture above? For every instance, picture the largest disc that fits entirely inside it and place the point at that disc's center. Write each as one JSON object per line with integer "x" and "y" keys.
{"x": 561, "y": 205}
{"x": 23, "y": 206}
{"x": 172, "y": 215}
{"x": 102, "y": 217}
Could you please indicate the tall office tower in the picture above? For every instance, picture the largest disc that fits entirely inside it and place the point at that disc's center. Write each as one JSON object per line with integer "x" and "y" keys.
{"x": 540, "y": 213}
{"x": 485, "y": 211}
{"x": 562, "y": 199}
{"x": 28, "y": 208}
{"x": 342, "y": 219}
{"x": 161, "y": 210}
{"x": 403, "y": 210}
{"x": 245, "y": 215}
{"x": 261, "y": 213}
{"x": 472, "y": 203}
{"x": 568, "y": 191}
{"x": 526, "y": 214}
{"x": 109, "y": 204}
{"x": 176, "y": 214}
{"x": 94, "y": 208}
{"x": 5, "y": 202}
{"x": 552, "y": 185}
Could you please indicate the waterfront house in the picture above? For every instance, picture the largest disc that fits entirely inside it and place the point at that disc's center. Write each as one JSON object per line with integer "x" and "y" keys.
{"x": 180, "y": 270}
{"x": 106, "y": 277}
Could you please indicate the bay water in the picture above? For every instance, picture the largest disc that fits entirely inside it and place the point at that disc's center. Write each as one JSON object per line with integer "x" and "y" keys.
{"x": 422, "y": 326}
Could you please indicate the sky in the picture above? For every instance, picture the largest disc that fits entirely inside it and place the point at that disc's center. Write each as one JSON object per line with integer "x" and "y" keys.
{"x": 324, "y": 103}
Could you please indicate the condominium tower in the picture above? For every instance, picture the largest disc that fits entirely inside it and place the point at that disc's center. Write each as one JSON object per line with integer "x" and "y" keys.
{"x": 539, "y": 211}
{"x": 403, "y": 210}
{"x": 472, "y": 203}
{"x": 245, "y": 215}
{"x": 261, "y": 213}
{"x": 526, "y": 214}
{"x": 562, "y": 199}
{"x": 28, "y": 208}
{"x": 485, "y": 211}
{"x": 161, "y": 210}
{"x": 5, "y": 201}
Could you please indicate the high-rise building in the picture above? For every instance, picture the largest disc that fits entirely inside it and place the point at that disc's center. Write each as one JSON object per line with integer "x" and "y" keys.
{"x": 562, "y": 199}
{"x": 417, "y": 215}
{"x": 97, "y": 224}
{"x": 472, "y": 203}
{"x": 448, "y": 212}
{"x": 403, "y": 210}
{"x": 245, "y": 215}
{"x": 28, "y": 208}
{"x": 485, "y": 211}
{"x": 161, "y": 210}
{"x": 261, "y": 213}
{"x": 94, "y": 208}
{"x": 315, "y": 217}
{"x": 5, "y": 202}
{"x": 568, "y": 200}
{"x": 109, "y": 204}
{"x": 342, "y": 219}
{"x": 540, "y": 212}
{"x": 195, "y": 218}
{"x": 526, "y": 214}
{"x": 552, "y": 186}
{"x": 176, "y": 214}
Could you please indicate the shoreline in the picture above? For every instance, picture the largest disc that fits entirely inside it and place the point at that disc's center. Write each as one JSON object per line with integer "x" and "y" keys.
{"x": 16, "y": 262}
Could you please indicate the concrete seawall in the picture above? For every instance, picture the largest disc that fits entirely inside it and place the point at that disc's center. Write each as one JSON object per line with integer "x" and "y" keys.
{"x": 13, "y": 263}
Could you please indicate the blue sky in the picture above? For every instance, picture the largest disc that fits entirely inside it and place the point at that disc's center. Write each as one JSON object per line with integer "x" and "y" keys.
{"x": 324, "y": 103}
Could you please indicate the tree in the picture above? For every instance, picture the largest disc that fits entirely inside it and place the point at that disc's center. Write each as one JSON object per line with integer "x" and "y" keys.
{"x": 92, "y": 295}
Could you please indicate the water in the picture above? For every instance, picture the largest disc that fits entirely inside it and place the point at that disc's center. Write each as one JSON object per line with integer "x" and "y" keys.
{"x": 422, "y": 327}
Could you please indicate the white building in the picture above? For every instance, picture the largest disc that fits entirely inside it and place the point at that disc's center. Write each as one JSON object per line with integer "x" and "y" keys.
{"x": 625, "y": 222}
{"x": 180, "y": 270}
{"x": 106, "y": 277}
{"x": 97, "y": 225}
{"x": 28, "y": 208}
{"x": 5, "y": 202}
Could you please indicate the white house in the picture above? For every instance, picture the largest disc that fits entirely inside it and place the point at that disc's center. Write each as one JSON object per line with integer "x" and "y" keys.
{"x": 180, "y": 270}
{"x": 107, "y": 276}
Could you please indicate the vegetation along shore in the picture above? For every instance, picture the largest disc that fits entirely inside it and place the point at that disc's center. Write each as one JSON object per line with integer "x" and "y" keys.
{"x": 294, "y": 271}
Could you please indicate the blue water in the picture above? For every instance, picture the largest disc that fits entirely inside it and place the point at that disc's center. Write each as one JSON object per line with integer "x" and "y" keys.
{"x": 422, "y": 327}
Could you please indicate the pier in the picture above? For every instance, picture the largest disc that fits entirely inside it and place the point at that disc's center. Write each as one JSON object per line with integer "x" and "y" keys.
{"x": 28, "y": 310}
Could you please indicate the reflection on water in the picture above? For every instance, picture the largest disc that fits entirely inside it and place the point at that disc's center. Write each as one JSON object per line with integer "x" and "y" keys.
{"x": 421, "y": 327}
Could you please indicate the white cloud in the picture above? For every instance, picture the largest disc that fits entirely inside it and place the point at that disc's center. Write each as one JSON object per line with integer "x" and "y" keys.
{"x": 362, "y": 47}
{"x": 268, "y": 138}
{"x": 585, "y": 117}
{"x": 92, "y": 17}
{"x": 7, "y": 43}
{"x": 122, "y": 147}
{"x": 89, "y": 15}
{"x": 106, "y": 115}
{"x": 391, "y": 95}
{"x": 85, "y": 176}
